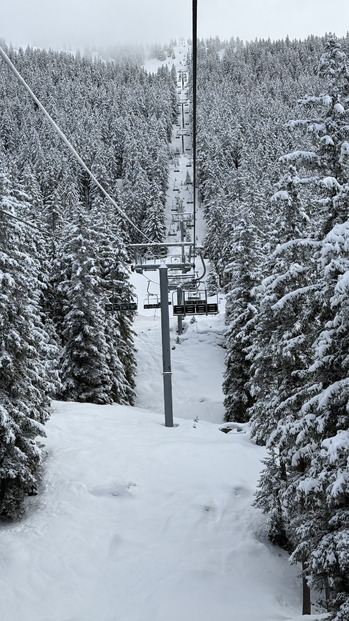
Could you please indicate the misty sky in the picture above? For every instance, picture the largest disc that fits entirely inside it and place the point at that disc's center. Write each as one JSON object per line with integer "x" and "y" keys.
{"x": 57, "y": 23}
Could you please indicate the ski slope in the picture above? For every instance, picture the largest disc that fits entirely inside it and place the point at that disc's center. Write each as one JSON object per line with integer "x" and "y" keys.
{"x": 135, "y": 521}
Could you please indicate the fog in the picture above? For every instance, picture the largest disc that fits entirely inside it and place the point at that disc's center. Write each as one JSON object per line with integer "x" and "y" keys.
{"x": 79, "y": 23}
{"x": 94, "y": 22}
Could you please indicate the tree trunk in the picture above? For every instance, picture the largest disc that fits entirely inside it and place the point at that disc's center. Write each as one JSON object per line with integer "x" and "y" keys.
{"x": 306, "y": 592}
{"x": 327, "y": 594}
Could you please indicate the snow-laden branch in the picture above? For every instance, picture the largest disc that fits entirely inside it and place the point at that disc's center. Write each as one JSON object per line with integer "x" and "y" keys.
{"x": 332, "y": 391}
{"x": 335, "y": 445}
{"x": 295, "y": 123}
{"x": 330, "y": 183}
{"x": 316, "y": 99}
{"x": 339, "y": 108}
{"x": 281, "y": 195}
{"x": 292, "y": 295}
{"x": 304, "y": 157}
{"x": 306, "y": 241}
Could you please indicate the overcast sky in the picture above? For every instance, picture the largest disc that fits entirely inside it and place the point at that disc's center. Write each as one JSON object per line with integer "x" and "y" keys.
{"x": 102, "y": 22}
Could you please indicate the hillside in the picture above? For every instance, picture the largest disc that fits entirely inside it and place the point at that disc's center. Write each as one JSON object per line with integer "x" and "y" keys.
{"x": 271, "y": 231}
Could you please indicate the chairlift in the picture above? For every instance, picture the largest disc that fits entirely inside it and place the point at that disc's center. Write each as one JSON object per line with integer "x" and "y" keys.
{"x": 175, "y": 258}
{"x": 196, "y": 302}
{"x": 121, "y": 306}
{"x": 152, "y": 301}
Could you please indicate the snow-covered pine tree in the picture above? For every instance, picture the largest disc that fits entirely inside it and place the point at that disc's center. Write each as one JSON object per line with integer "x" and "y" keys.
{"x": 279, "y": 350}
{"x": 242, "y": 273}
{"x": 327, "y": 125}
{"x": 136, "y": 197}
{"x": 315, "y": 445}
{"x": 98, "y": 359}
{"x": 24, "y": 385}
{"x": 116, "y": 287}
{"x": 311, "y": 437}
{"x": 85, "y": 373}
{"x": 154, "y": 225}
{"x": 217, "y": 220}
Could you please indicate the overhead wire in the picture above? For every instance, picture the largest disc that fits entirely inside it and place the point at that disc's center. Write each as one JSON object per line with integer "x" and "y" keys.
{"x": 149, "y": 279}
{"x": 68, "y": 144}
{"x": 33, "y": 226}
{"x": 194, "y": 98}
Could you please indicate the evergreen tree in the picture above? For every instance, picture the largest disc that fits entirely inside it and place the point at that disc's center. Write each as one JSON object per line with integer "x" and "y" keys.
{"x": 24, "y": 384}
{"x": 243, "y": 275}
{"x": 309, "y": 437}
{"x": 279, "y": 351}
{"x": 116, "y": 287}
{"x": 85, "y": 373}
{"x": 154, "y": 226}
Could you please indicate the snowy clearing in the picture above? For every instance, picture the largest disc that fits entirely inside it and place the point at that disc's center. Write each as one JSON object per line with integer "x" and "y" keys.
{"x": 136, "y": 521}
{"x": 139, "y": 522}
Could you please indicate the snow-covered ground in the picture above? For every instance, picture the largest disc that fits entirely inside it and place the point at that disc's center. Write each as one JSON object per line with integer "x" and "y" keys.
{"x": 136, "y": 521}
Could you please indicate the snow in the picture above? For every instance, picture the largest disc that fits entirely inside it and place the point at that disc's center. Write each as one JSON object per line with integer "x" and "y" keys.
{"x": 151, "y": 65}
{"x": 294, "y": 124}
{"x": 291, "y": 297}
{"x": 140, "y": 522}
{"x": 299, "y": 156}
{"x": 330, "y": 183}
{"x": 336, "y": 444}
{"x": 322, "y": 99}
{"x": 344, "y": 150}
{"x": 192, "y": 398}
{"x": 330, "y": 392}
{"x": 281, "y": 195}
{"x": 135, "y": 521}
{"x": 301, "y": 241}
{"x": 327, "y": 141}
{"x": 339, "y": 108}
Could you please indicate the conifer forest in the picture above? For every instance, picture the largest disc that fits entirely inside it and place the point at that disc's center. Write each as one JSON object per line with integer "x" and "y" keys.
{"x": 273, "y": 188}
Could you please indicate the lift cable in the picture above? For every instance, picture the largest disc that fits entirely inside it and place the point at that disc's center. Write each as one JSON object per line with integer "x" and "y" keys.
{"x": 149, "y": 280}
{"x": 68, "y": 144}
{"x": 30, "y": 224}
{"x": 194, "y": 86}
